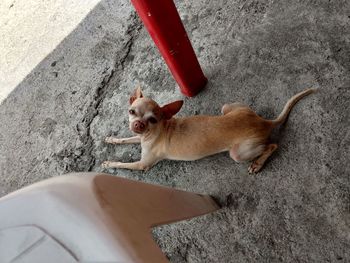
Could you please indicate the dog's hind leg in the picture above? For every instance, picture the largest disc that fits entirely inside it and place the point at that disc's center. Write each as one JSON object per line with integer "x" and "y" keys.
{"x": 259, "y": 162}
{"x": 230, "y": 107}
{"x": 246, "y": 151}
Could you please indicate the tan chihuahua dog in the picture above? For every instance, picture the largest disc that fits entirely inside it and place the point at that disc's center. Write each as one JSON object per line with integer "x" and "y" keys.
{"x": 238, "y": 130}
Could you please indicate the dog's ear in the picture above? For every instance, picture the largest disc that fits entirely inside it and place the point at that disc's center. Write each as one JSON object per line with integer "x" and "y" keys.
{"x": 171, "y": 109}
{"x": 136, "y": 95}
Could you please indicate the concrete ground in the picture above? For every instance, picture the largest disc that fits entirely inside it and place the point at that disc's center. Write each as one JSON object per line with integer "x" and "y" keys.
{"x": 257, "y": 52}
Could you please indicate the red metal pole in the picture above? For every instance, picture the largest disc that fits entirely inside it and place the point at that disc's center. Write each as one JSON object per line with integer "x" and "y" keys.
{"x": 167, "y": 31}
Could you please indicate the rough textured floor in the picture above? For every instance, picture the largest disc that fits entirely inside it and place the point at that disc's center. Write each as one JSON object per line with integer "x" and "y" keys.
{"x": 257, "y": 52}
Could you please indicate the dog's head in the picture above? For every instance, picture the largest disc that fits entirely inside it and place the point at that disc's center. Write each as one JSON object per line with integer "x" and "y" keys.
{"x": 145, "y": 114}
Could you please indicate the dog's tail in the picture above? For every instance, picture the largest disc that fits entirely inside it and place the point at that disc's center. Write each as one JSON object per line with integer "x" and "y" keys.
{"x": 289, "y": 105}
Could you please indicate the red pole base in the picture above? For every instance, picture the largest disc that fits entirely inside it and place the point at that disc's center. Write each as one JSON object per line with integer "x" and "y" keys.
{"x": 168, "y": 33}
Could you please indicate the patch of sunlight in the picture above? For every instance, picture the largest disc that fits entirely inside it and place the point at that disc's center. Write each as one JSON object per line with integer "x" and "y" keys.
{"x": 30, "y": 30}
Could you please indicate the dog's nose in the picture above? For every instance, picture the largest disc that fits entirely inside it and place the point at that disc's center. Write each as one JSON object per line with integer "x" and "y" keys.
{"x": 139, "y": 126}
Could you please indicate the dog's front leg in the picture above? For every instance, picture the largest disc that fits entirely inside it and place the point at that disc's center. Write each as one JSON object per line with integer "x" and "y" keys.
{"x": 143, "y": 164}
{"x": 113, "y": 140}
{"x": 132, "y": 166}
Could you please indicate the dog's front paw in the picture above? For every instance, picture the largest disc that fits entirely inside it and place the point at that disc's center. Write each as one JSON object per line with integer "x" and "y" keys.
{"x": 110, "y": 140}
{"x": 110, "y": 164}
{"x": 254, "y": 167}
{"x": 106, "y": 164}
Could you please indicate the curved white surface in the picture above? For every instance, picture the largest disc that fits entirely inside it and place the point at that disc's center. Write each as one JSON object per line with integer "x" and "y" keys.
{"x": 31, "y": 244}
{"x": 91, "y": 218}
{"x": 70, "y": 212}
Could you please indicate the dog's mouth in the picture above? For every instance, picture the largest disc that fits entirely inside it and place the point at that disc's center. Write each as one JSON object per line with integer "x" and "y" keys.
{"x": 138, "y": 131}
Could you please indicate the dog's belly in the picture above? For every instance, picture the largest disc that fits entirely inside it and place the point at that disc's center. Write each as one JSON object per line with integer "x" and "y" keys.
{"x": 192, "y": 157}
{"x": 196, "y": 149}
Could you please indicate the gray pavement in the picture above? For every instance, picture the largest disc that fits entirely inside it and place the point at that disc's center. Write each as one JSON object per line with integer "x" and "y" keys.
{"x": 257, "y": 52}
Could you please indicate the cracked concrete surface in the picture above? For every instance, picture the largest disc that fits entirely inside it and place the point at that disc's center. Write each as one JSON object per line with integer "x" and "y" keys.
{"x": 257, "y": 52}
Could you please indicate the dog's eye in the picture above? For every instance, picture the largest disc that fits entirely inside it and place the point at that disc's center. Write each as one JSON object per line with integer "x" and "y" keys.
{"x": 152, "y": 120}
{"x": 132, "y": 112}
